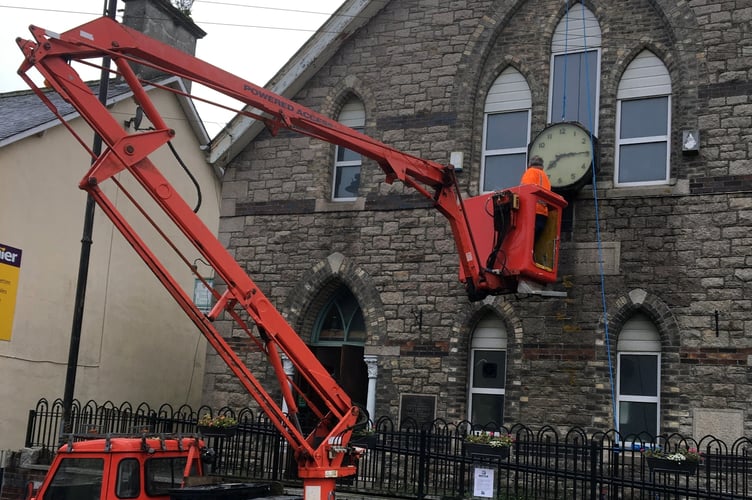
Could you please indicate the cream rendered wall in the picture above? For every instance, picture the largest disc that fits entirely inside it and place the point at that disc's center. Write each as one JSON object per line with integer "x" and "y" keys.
{"x": 136, "y": 344}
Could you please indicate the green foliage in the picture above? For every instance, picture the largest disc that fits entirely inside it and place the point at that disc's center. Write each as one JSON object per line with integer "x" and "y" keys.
{"x": 496, "y": 440}
{"x": 679, "y": 455}
{"x": 218, "y": 422}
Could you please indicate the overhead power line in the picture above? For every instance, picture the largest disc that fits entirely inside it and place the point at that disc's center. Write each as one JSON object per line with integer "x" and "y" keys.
{"x": 620, "y": 40}
{"x": 297, "y": 11}
{"x": 198, "y": 22}
{"x": 59, "y": 11}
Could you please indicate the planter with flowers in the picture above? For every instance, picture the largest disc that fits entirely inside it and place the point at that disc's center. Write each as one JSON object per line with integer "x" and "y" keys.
{"x": 219, "y": 426}
{"x": 684, "y": 461}
{"x": 488, "y": 444}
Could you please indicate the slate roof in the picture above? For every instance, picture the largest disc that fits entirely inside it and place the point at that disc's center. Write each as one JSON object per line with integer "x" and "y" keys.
{"x": 22, "y": 113}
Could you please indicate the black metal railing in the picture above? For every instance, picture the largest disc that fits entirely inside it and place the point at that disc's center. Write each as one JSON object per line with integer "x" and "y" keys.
{"x": 429, "y": 461}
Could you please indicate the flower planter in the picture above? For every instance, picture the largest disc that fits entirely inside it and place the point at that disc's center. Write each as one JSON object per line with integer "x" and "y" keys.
{"x": 209, "y": 431}
{"x": 486, "y": 450}
{"x": 656, "y": 464}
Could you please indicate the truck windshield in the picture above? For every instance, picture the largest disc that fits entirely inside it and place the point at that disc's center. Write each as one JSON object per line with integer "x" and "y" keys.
{"x": 163, "y": 474}
{"x": 76, "y": 478}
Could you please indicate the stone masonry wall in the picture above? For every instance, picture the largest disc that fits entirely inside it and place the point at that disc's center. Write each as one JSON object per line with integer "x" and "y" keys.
{"x": 679, "y": 253}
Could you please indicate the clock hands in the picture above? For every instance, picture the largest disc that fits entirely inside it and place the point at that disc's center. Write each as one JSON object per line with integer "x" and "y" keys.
{"x": 561, "y": 156}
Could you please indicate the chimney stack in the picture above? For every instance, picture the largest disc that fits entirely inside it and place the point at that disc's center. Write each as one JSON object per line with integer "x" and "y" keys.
{"x": 159, "y": 19}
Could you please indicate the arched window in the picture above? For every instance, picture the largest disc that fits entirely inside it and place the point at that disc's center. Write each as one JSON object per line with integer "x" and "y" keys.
{"x": 341, "y": 321}
{"x": 638, "y": 378}
{"x": 346, "y": 178}
{"x": 575, "y": 63}
{"x": 643, "y": 122}
{"x": 488, "y": 368}
{"x": 506, "y": 131}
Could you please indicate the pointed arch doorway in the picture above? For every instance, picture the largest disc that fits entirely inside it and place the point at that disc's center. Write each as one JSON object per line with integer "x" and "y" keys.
{"x": 338, "y": 340}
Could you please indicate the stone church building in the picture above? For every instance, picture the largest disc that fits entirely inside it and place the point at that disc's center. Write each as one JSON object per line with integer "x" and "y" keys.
{"x": 650, "y": 330}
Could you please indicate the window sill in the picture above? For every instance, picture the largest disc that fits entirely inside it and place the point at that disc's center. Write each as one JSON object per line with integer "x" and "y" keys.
{"x": 340, "y": 206}
{"x": 608, "y": 190}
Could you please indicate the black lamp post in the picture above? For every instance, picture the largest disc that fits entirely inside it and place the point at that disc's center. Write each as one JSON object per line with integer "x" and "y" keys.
{"x": 110, "y": 7}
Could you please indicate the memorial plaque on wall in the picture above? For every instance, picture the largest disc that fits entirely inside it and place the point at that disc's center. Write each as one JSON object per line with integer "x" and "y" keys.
{"x": 417, "y": 408}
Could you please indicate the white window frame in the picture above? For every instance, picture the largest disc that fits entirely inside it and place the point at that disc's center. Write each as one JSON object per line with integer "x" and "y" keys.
{"x": 502, "y": 152}
{"x": 489, "y": 335}
{"x": 642, "y": 140}
{"x": 646, "y": 77}
{"x": 630, "y": 398}
{"x": 338, "y": 165}
{"x": 510, "y": 93}
{"x": 353, "y": 116}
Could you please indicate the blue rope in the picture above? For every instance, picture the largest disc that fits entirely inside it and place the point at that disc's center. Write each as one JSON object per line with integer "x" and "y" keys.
{"x": 598, "y": 224}
{"x": 591, "y": 126}
{"x": 566, "y": 60}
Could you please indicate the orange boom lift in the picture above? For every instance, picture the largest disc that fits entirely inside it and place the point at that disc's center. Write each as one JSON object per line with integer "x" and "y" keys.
{"x": 492, "y": 232}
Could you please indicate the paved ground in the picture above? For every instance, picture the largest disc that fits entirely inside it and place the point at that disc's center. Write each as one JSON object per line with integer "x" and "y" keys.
{"x": 348, "y": 495}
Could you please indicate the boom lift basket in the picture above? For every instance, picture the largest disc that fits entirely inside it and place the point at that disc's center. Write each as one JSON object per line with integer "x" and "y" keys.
{"x": 519, "y": 255}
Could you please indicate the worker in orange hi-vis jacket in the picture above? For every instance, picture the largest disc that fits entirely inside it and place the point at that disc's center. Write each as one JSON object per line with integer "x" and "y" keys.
{"x": 536, "y": 176}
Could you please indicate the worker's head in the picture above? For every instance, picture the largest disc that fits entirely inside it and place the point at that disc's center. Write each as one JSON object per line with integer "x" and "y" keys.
{"x": 536, "y": 162}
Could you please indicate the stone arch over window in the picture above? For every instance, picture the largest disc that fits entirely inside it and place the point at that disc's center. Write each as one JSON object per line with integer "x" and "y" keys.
{"x": 336, "y": 284}
{"x": 350, "y": 86}
{"x": 320, "y": 283}
{"x": 645, "y": 340}
{"x": 639, "y": 300}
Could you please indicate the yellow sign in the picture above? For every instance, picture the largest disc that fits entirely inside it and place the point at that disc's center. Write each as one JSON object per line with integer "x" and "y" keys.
{"x": 10, "y": 268}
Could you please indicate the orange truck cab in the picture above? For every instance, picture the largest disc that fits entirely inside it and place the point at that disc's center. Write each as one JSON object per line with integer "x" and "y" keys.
{"x": 159, "y": 467}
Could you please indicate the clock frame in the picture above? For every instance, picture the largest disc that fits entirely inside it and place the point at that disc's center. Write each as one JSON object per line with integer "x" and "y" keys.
{"x": 569, "y": 152}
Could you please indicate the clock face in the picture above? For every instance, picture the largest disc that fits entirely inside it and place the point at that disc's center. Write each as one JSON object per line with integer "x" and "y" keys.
{"x": 567, "y": 153}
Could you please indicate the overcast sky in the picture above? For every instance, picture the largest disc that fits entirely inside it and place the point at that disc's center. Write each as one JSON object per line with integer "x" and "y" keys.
{"x": 249, "y": 38}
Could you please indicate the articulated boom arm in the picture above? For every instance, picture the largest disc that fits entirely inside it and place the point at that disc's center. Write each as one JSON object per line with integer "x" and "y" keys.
{"x": 106, "y": 37}
{"x": 321, "y": 453}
